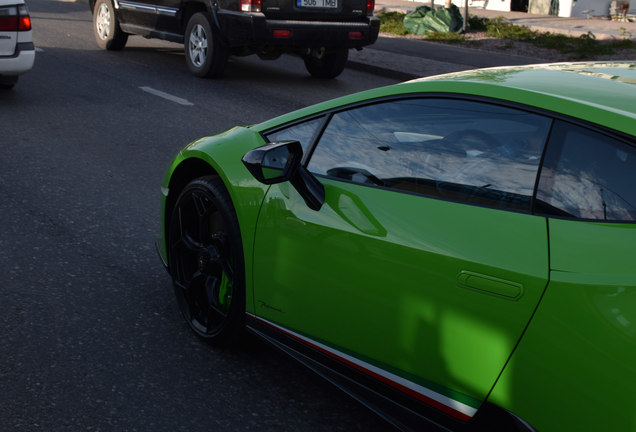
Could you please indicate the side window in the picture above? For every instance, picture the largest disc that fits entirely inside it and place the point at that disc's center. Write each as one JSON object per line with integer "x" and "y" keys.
{"x": 302, "y": 132}
{"x": 450, "y": 148}
{"x": 587, "y": 175}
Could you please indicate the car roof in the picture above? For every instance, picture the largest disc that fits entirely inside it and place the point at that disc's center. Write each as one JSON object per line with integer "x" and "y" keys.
{"x": 603, "y": 93}
{"x": 599, "y": 92}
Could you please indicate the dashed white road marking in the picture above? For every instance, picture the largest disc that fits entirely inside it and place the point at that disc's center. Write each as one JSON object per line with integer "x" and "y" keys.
{"x": 167, "y": 96}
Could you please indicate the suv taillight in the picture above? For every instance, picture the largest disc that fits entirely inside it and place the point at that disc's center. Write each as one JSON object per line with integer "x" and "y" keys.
{"x": 370, "y": 7}
{"x": 250, "y": 5}
{"x": 15, "y": 18}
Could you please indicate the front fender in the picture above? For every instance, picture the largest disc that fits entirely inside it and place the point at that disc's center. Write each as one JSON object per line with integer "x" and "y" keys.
{"x": 219, "y": 155}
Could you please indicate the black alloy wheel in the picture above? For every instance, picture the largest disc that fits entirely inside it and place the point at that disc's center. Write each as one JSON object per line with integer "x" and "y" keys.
{"x": 206, "y": 261}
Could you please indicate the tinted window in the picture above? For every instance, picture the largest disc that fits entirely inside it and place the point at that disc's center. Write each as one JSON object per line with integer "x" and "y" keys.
{"x": 588, "y": 175}
{"x": 302, "y": 132}
{"x": 454, "y": 149}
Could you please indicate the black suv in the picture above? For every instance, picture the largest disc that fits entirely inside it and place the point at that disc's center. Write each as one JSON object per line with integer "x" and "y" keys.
{"x": 321, "y": 31}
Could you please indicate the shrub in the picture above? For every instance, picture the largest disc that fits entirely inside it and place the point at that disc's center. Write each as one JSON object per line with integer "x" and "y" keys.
{"x": 392, "y": 22}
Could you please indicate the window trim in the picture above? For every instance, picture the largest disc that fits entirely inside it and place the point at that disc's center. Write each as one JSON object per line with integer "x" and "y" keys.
{"x": 326, "y": 117}
{"x": 605, "y": 132}
{"x": 553, "y": 116}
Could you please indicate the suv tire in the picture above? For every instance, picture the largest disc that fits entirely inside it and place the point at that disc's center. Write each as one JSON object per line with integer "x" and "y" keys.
{"x": 205, "y": 54}
{"x": 108, "y": 34}
{"x": 326, "y": 64}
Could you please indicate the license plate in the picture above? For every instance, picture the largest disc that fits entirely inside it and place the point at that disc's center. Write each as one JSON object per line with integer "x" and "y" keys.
{"x": 317, "y": 3}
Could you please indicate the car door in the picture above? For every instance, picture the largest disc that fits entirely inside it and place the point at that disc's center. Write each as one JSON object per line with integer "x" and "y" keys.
{"x": 155, "y": 15}
{"x": 424, "y": 264}
{"x": 582, "y": 341}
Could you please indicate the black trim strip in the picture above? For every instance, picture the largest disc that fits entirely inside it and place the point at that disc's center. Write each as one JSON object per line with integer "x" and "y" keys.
{"x": 26, "y": 46}
{"x": 554, "y": 116}
{"x": 158, "y": 10}
{"x": 321, "y": 24}
{"x": 151, "y": 33}
{"x": 404, "y": 412}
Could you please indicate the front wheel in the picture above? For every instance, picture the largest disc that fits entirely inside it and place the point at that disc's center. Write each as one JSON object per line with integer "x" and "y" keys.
{"x": 326, "y": 64}
{"x": 206, "y": 263}
{"x": 204, "y": 52}
{"x": 108, "y": 34}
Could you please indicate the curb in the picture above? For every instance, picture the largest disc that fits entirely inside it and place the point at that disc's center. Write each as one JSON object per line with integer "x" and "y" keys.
{"x": 380, "y": 71}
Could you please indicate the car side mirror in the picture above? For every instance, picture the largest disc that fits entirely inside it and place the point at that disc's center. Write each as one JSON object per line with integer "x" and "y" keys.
{"x": 278, "y": 162}
{"x": 275, "y": 162}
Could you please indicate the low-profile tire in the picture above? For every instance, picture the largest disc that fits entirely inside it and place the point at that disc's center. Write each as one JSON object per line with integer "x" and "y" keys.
{"x": 205, "y": 54}
{"x": 205, "y": 255}
{"x": 326, "y": 64}
{"x": 108, "y": 34}
{"x": 7, "y": 82}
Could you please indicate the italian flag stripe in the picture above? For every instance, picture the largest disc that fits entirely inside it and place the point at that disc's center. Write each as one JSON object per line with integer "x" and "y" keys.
{"x": 443, "y": 403}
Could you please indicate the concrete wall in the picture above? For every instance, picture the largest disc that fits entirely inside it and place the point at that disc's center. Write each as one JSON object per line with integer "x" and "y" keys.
{"x": 600, "y": 8}
{"x": 567, "y": 8}
{"x": 498, "y": 5}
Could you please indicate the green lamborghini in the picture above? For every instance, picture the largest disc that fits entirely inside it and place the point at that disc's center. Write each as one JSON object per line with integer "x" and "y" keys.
{"x": 456, "y": 252}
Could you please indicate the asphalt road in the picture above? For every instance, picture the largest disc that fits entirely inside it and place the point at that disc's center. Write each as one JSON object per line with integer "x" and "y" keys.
{"x": 91, "y": 337}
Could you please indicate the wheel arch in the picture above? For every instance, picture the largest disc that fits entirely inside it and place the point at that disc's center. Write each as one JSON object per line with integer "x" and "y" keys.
{"x": 218, "y": 156}
{"x": 190, "y": 8}
{"x": 195, "y": 167}
{"x": 91, "y": 4}
{"x": 183, "y": 174}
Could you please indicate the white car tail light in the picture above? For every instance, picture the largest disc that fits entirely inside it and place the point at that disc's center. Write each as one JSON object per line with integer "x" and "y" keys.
{"x": 15, "y": 18}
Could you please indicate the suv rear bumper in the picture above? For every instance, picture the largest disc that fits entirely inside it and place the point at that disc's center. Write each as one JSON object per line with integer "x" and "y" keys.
{"x": 20, "y": 62}
{"x": 255, "y": 30}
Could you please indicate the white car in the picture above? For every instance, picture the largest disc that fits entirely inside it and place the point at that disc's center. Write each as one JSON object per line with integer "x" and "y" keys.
{"x": 17, "y": 52}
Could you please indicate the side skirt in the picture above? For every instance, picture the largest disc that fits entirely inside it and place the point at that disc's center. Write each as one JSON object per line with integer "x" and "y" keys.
{"x": 151, "y": 33}
{"x": 399, "y": 409}
{"x": 406, "y": 413}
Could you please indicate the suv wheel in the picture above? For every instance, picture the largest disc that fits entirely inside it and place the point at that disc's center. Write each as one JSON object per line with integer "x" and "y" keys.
{"x": 108, "y": 34}
{"x": 326, "y": 64}
{"x": 205, "y": 55}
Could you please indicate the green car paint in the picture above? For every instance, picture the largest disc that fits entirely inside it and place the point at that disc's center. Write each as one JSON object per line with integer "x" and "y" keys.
{"x": 571, "y": 89}
{"x": 397, "y": 258}
{"x": 581, "y": 345}
{"x": 246, "y": 193}
{"x": 534, "y": 314}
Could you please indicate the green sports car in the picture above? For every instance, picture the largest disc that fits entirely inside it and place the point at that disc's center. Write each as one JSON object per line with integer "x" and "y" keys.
{"x": 457, "y": 252}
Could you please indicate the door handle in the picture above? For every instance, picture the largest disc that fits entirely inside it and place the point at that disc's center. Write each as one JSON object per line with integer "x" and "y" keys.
{"x": 486, "y": 284}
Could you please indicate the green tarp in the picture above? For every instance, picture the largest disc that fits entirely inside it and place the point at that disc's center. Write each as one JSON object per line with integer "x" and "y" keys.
{"x": 424, "y": 20}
